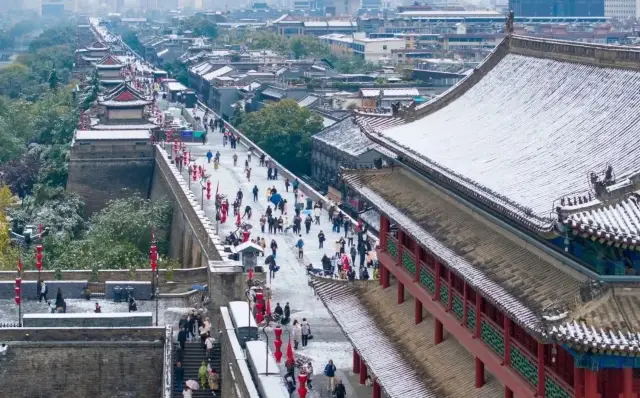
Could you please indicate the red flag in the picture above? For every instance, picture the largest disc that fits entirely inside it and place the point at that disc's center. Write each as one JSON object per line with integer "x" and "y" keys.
{"x": 250, "y": 273}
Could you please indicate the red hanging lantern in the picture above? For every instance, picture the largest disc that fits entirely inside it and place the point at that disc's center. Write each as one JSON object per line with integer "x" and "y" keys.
{"x": 208, "y": 190}
{"x": 195, "y": 173}
{"x": 269, "y": 307}
{"x": 153, "y": 254}
{"x": 290, "y": 358}
{"x": 39, "y": 255}
{"x": 302, "y": 381}
{"x": 19, "y": 264}
{"x": 18, "y": 300}
{"x": 278, "y": 343}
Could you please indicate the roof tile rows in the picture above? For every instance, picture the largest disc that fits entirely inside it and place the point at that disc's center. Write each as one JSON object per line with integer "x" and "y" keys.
{"x": 398, "y": 378}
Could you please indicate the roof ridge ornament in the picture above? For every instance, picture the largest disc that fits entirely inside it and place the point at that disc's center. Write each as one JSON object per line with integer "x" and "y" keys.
{"x": 508, "y": 23}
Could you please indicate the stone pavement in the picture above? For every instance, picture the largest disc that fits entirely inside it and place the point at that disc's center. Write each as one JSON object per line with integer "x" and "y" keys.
{"x": 290, "y": 283}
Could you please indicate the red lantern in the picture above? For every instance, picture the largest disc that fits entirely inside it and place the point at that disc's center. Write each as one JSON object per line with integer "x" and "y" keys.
{"x": 19, "y": 264}
{"x": 278, "y": 343}
{"x": 39, "y": 255}
{"x": 195, "y": 173}
{"x": 290, "y": 357}
{"x": 18, "y": 282}
{"x": 268, "y": 307}
{"x": 302, "y": 381}
{"x": 153, "y": 254}
{"x": 208, "y": 190}
{"x": 18, "y": 300}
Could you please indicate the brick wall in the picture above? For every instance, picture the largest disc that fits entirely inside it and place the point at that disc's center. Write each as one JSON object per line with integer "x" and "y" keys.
{"x": 92, "y": 369}
{"x": 186, "y": 275}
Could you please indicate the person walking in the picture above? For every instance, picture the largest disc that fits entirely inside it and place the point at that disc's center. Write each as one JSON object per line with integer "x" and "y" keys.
{"x": 353, "y": 253}
{"x": 321, "y": 239}
{"x": 316, "y": 215}
{"x": 179, "y": 372}
{"x": 209, "y": 156}
{"x": 255, "y": 194}
{"x": 307, "y": 223}
{"x": 274, "y": 247}
{"x": 300, "y": 245}
{"x": 308, "y": 370}
{"x": 287, "y": 313}
{"x": 340, "y": 391}
{"x": 182, "y": 338}
{"x": 235, "y": 159}
{"x": 278, "y": 310}
{"x": 306, "y": 332}
{"x": 202, "y": 375}
{"x": 330, "y": 372}
{"x": 350, "y": 236}
{"x": 263, "y": 245}
{"x": 286, "y": 184}
{"x": 297, "y": 333}
{"x": 263, "y": 221}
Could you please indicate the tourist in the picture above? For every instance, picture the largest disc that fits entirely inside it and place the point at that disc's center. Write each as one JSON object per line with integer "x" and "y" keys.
{"x": 278, "y": 310}
{"x": 347, "y": 227}
{"x": 186, "y": 393}
{"x": 179, "y": 372}
{"x": 182, "y": 337}
{"x": 297, "y": 333}
{"x": 280, "y": 224}
{"x": 290, "y": 382}
{"x": 209, "y": 156}
{"x": 307, "y": 223}
{"x": 275, "y": 173}
{"x": 349, "y": 233}
{"x": 268, "y": 193}
{"x": 274, "y": 247}
{"x": 263, "y": 245}
{"x": 340, "y": 391}
{"x": 306, "y": 332}
{"x": 42, "y": 291}
{"x": 202, "y": 375}
{"x": 60, "y": 303}
{"x": 321, "y": 239}
{"x": 273, "y": 268}
{"x": 330, "y": 372}
{"x": 286, "y": 184}
{"x": 213, "y": 380}
{"x": 308, "y": 370}
{"x": 98, "y": 309}
{"x": 300, "y": 245}
{"x": 235, "y": 159}
{"x": 316, "y": 214}
{"x": 263, "y": 221}
{"x": 255, "y": 193}
{"x": 287, "y": 314}
{"x": 262, "y": 157}
{"x": 248, "y": 172}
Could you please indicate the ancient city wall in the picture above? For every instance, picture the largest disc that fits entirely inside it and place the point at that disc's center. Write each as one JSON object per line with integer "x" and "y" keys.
{"x": 82, "y": 362}
{"x": 102, "y": 171}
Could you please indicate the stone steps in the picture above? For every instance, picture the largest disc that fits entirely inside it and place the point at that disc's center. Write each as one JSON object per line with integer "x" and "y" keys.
{"x": 192, "y": 358}
{"x": 448, "y": 367}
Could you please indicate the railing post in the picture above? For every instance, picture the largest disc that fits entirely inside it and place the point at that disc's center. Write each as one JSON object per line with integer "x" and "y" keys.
{"x": 400, "y": 247}
{"x": 465, "y": 305}
{"x": 450, "y": 287}
{"x": 416, "y": 255}
{"x": 507, "y": 341}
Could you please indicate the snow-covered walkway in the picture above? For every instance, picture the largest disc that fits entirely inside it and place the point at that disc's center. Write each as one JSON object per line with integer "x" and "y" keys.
{"x": 290, "y": 283}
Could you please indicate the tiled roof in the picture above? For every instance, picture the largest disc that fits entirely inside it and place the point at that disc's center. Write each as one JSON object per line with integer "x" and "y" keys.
{"x": 124, "y": 95}
{"x": 381, "y": 355}
{"x": 617, "y": 221}
{"x": 347, "y": 136}
{"x": 508, "y": 275}
{"x": 539, "y": 125}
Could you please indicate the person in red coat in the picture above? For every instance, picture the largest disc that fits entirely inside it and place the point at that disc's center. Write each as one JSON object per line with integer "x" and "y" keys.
{"x": 245, "y": 236}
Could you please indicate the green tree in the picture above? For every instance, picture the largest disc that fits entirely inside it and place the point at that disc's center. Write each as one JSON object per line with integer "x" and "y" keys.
{"x": 14, "y": 80}
{"x": 53, "y": 80}
{"x": 284, "y": 130}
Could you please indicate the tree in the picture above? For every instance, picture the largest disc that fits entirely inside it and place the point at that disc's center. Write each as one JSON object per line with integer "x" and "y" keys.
{"x": 20, "y": 175}
{"x": 14, "y": 80}
{"x": 304, "y": 46}
{"x": 284, "y": 130}
{"x": 53, "y": 80}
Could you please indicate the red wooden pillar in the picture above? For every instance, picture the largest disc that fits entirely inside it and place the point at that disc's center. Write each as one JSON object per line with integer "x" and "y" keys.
{"x": 507, "y": 392}
{"x": 384, "y": 230}
{"x": 507, "y": 341}
{"x": 385, "y": 276}
{"x": 438, "y": 332}
{"x": 478, "y": 315}
{"x": 465, "y": 305}
{"x": 590, "y": 384}
{"x": 400, "y": 247}
{"x": 363, "y": 372}
{"x": 356, "y": 361}
{"x": 376, "y": 389}
{"x": 450, "y": 287}
{"x": 627, "y": 383}
{"x": 416, "y": 255}
{"x": 578, "y": 380}
{"x": 417, "y": 310}
{"x": 400, "y": 292}
{"x": 436, "y": 295}
{"x": 479, "y": 373}
{"x": 541, "y": 380}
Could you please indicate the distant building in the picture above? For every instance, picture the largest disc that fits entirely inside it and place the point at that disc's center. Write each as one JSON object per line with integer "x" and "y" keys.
{"x": 621, "y": 9}
{"x": 52, "y": 8}
{"x": 557, "y": 8}
{"x": 288, "y": 25}
{"x": 369, "y": 49}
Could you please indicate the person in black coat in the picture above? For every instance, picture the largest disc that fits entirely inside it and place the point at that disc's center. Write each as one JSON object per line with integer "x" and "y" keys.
{"x": 182, "y": 338}
{"x": 287, "y": 311}
{"x": 278, "y": 310}
{"x": 179, "y": 372}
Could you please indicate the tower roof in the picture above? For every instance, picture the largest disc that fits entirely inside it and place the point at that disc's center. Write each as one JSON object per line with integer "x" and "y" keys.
{"x": 124, "y": 96}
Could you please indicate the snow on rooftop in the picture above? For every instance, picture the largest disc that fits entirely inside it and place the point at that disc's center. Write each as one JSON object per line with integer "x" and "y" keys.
{"x": 217, "y": 73}
{"x": 530, "y": 130}
{"x": 90, "y": 135}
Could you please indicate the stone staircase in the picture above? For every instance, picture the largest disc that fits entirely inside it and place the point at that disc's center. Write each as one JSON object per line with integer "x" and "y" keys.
{"x": 194, "y": 354}
{"x": 448, "y": 368}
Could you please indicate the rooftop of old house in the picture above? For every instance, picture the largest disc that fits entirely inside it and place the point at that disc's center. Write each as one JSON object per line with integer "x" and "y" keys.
{"x": 528, "y": 126}
{"x": 506, "y": 273}
{"x": 368, "y": 313}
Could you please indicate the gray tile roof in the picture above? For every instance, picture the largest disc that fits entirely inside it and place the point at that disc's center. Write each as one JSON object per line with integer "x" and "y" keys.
{"x": 529, "y": 131}
{"x": 347, "y": 136}
{"x": 383, "y": 357}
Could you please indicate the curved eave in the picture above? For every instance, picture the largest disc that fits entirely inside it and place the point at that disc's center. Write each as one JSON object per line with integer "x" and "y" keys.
{"x": 583, "y": 337}
{"x": 109, "y": 66}
{"x": 612, "y": 238}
